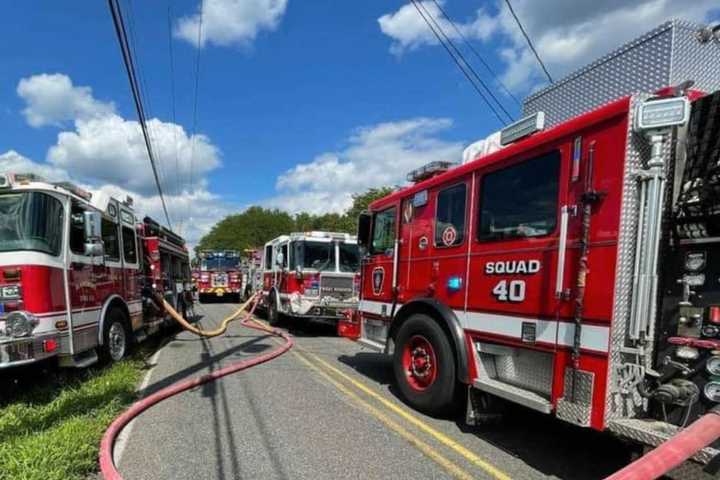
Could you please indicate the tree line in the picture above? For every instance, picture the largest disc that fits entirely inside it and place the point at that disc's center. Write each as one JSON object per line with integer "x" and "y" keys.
{"x": 257, "y": 225}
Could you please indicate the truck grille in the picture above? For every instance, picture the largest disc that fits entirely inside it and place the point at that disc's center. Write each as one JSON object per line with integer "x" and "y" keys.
{"x": 220, "y": 280}
{"x": 340, "y": 288}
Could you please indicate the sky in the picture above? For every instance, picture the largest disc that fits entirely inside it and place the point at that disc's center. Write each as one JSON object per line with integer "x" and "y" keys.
{"x": 300, "y": 104}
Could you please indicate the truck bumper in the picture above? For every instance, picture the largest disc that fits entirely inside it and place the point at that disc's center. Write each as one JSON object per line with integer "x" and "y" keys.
{"x": 15, "y": 352}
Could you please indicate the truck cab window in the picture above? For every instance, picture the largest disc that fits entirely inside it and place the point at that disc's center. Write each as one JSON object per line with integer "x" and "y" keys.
{"x": 77, "y": 229}
{"x": 383, "y": 232}
{"x": 450, "y": 216}
{"x": 520, "y": 201}
{"x": 111, "y": 240}
{"x": 268, "y": 257}
{"x": 284, "y": 251}
{"x": 129, "y": 247}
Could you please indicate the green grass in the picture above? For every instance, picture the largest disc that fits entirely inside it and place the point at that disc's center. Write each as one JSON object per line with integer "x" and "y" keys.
{"x": 51, "y": 424}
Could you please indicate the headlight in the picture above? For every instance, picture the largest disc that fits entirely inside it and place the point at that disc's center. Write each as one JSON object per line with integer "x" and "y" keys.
{"x": 20, "y": 324}
{"x": 11, "y": 291}
{"x": 685, "y": 352}
{"x": 713, "y": 366}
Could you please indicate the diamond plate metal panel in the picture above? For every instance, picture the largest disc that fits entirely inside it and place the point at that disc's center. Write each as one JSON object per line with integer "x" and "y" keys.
{"x": 577, "y": 410}
{"x": 527, "y": 369}
{"x": 667, "y": 55}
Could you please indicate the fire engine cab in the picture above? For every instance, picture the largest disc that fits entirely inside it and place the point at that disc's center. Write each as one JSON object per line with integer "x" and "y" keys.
{"x": 71, "y": 273}
{"x": 310, "y": 275}
{"x": 573, "y": 265}
{"x": 220, "y": 275}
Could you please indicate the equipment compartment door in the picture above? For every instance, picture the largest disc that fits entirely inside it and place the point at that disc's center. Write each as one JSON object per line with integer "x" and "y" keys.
{"x": 512, "y": 279}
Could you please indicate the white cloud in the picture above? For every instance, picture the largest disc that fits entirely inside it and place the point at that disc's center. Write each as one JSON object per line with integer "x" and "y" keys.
{"x": 380, "y": 155}
{"x": 566, "y": 33}
{"x": 12, "y": 161}
{"x": 230, "y": 22}
{"x": 409, "y": 31}
{"x": 111, "y": 149}
{"x": 52, "y": 99}
{"x": 105, "y": 152}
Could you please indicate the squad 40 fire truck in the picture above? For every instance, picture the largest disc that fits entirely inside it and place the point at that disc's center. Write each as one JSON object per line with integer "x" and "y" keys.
{"x": 573, "y": 265}
{"x": 310, "y": 275}
{"x": 78, "y": 274}
{"x": 219, "y": 275}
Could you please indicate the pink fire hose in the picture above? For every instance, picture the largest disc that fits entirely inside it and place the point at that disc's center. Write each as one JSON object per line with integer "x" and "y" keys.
{"x": 674, "y": 451}
{"x": 107, "y": 465}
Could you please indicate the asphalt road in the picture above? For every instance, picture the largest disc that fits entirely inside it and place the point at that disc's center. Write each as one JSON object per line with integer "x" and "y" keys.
{"x": 327, "y": 410}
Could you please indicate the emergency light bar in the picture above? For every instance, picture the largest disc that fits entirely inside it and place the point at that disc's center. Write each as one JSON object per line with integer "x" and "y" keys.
{"x": 522, "y": 128}
{"x": 429, "y": 170}
{"x": 662, "y": 113}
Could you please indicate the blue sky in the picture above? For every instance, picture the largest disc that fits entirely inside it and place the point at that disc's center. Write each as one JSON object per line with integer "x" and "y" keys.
{"x": 300, "y": 104}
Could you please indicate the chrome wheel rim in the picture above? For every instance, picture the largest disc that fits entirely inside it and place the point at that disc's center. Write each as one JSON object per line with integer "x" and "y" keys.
{"x": 116, "y": 341}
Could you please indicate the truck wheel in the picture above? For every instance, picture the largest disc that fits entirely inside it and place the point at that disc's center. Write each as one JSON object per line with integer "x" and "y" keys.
{"x": 115, "y": 336}
{"x": 272, "y": 311}
{"x": 424, "y": 365}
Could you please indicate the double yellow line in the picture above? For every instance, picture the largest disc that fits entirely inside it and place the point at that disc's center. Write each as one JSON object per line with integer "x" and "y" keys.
{"x": 352, "y": 388}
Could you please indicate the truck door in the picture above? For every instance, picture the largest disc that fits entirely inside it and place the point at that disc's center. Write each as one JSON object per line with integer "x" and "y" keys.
{"x": 512, "y": 280}
{"x": 415, "y": 234}
{"x": 84, "y": 305}
{"x": 379, "y": 277}
{"x": 131, "y": 263}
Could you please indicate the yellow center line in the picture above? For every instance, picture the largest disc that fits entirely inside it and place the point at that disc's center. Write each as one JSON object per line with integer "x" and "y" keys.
{"x": 426, "y": 449}
{"x": 439, "y": 436}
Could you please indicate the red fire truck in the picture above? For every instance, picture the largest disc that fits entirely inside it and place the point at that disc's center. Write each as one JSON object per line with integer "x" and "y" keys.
{"x": 71, "y": 273}
{"x": 310, "y": 275}
{"x": 574, "y": 266}
{"x": 219, "y": 275}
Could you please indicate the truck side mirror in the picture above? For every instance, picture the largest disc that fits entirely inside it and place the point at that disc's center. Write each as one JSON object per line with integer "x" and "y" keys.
{"x": 363, "y": 232}
{"x": 92, "y": 225}
{"x": 279, "y": 259}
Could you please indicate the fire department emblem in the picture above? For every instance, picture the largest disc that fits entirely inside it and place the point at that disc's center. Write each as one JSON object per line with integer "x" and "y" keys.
{"x": 449, "y": 235}
{"x": 378, "y": 277}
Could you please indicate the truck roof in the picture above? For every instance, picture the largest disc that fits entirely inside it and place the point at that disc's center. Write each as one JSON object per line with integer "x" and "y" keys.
{"x": 526, "y": 147}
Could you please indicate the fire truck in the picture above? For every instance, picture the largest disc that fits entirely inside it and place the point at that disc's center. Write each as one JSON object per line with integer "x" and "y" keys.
{"x": 571, "y": 263}
{"x": 310, "y": 275}
{"x": 219, "y": 275}
{"x": 78, "y": 273}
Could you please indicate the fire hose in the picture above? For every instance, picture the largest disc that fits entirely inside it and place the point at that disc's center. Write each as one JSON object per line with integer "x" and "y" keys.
{"x": 674, "y": 451}
{"x": 107, "y": 464}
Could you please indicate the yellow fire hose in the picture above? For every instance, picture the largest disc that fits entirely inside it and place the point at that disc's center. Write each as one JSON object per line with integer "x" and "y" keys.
{"x": 206, "y": 333}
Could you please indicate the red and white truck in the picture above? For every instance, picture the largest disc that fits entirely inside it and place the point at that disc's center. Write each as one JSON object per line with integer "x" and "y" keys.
{"x": 219, "y": 275}
{"x": 573, "y": 265}
{"x": 78, "y": 273}
{"x": 310, "y": 275}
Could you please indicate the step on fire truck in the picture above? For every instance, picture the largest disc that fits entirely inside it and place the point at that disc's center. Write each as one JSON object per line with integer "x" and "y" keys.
{"x": 310, "y": 275}
{"x": 78, "y": 274}
{"x": 219, "y": 275}
{"x": 571, "y": 264}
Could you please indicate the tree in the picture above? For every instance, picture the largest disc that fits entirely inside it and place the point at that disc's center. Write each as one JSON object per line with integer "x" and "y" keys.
{"x": 256, "y": 225}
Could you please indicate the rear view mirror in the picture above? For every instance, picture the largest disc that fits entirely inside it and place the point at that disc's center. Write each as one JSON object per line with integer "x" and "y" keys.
{"x": 94, "y": 249}
{"x": 92, "y": 222}
{"x": 363, "y": 233}
{"x": 280, "y": 259}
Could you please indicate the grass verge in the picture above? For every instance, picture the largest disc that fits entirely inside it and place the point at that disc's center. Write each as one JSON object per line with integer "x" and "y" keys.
{"x": 51, "y": 421}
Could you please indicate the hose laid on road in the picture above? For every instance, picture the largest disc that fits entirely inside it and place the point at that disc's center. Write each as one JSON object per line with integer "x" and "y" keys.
{"x": 107, "y": 464}
{"x": 203, "y": 333}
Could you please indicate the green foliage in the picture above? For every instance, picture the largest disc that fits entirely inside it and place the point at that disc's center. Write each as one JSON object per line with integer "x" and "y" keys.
{"x": 52, "y": 429}
{"x": 257, "y": 225}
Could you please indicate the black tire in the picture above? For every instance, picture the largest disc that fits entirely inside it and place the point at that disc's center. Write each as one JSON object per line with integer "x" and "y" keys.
{"x": 116, "y": 338}
{"x": 428, "y": 389}
{"x": 273, "y": 315}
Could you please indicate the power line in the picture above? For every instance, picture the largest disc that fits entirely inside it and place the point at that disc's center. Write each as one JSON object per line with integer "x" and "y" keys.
{"x": 460, "y": 61}
{"x": 178, "y": 181}
{"x": 529, "y": 42}
{"x": 132, "y": 78}
{"x": 475, "y": 52}
{"x": 195, "y": 100}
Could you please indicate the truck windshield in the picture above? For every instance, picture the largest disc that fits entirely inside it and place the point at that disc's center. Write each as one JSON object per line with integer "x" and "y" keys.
{"x": 349, "y": 257}
{"x": 30, "y": 221}
{"x": 315, "y": 255}
{"x": 216, "y": 263}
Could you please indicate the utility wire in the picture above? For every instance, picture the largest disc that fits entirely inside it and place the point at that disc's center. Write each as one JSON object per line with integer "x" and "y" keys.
{"x": 178, "y": 180}
{"x": 529, "y": 42}
{"x": 460, "y": 61}
{"x": 121, "y": 33}
{"x": 195, "y": 101}
{"x": 475, "y": 52}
